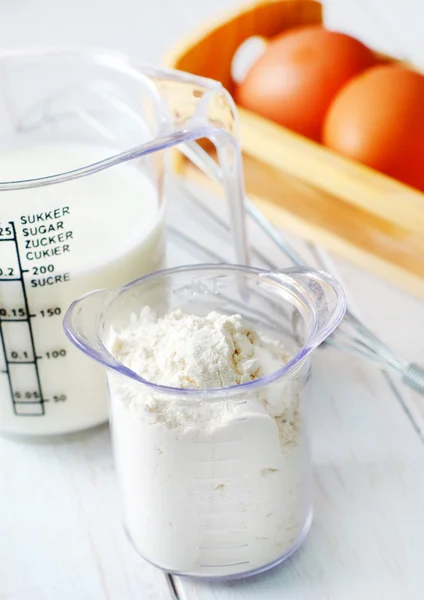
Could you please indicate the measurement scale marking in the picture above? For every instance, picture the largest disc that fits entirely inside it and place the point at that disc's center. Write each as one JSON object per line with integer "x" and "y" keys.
{"x": 21, "y": 362}
{"x": 7, "y": 366}
{"x": 10, "y": 278}
{"x": 26, "y": 319}
{"x": 25, "y": 402}
{"x": 20, "y": 320}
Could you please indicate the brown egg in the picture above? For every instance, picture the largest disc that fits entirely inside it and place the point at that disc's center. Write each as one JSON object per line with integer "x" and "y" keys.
{"x": 378, "y": 119}
{"x": 300, "y": 72}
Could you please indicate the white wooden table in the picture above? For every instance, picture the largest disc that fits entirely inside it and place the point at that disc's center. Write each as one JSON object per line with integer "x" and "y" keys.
{"x": 60, "y": 533}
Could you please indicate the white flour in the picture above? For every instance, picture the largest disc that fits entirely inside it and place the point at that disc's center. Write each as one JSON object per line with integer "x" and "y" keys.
{"x": 210, "y": 488}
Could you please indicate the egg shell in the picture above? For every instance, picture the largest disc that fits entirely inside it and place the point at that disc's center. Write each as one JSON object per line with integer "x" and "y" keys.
{"x": 294, "y": 82}
{"x": 378, "y": 119}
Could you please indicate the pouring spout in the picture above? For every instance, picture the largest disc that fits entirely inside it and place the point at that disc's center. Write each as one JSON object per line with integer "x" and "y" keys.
{"x": 81, "y": 324}
{"x": 328, "y": 298}
{"x": 325, "y": 298}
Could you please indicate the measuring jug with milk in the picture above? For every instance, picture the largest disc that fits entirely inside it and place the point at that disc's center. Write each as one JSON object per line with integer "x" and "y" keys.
{"x": 83, "y": 178}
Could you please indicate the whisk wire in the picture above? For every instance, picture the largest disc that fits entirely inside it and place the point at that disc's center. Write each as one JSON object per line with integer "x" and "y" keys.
{"x": 352, "y": 335}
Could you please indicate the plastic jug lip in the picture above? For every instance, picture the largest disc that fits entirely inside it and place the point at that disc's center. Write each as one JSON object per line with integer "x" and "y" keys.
{"x": 299, "y": 293}
{"x": 144, "y": 75}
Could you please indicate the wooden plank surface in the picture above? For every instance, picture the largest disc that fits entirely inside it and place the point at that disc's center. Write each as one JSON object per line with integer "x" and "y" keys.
{"x": 60, "y": 532}
{"x": 61, "y": 537}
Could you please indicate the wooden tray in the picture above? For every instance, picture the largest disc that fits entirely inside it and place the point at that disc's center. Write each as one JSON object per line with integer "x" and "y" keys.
{"x": 362, "y": 215}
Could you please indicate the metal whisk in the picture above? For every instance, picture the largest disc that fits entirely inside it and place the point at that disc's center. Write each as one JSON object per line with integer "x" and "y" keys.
{"x": 352, "y": 335}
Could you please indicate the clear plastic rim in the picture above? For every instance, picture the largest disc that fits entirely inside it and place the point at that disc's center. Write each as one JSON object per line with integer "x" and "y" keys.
{"x": 137, "y": 69}
{"x": 110, "y": 362}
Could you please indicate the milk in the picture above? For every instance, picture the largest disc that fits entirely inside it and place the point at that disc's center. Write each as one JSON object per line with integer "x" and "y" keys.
{"x": 98, "y": 231}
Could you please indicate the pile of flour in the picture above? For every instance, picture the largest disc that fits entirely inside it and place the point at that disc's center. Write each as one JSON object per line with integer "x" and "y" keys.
{"x": 187, "y": 351}
{"x": 216, "y": 487}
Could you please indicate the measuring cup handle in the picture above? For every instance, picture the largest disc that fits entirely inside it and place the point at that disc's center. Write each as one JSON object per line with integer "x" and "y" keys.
{"x": 326, "y": 295}
{"x": 81, "y": 322}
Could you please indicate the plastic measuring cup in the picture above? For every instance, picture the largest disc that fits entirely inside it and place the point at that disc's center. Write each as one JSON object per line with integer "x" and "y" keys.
{"x": 83, "y": 178}
{"x": 215, "y": 483}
